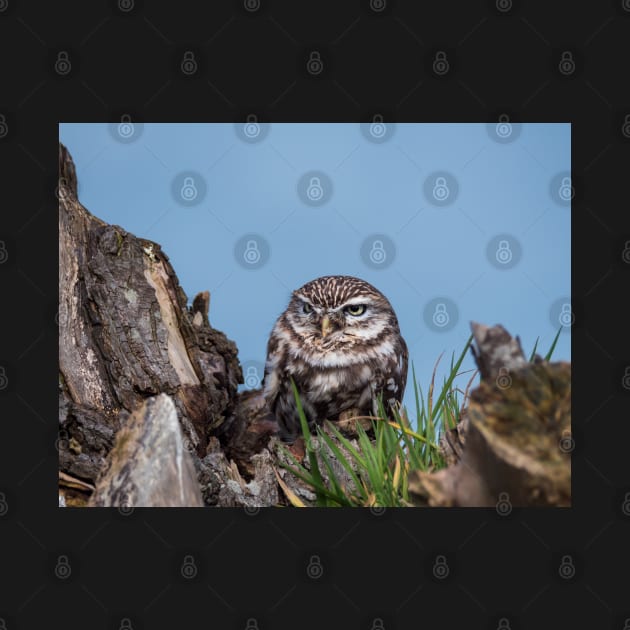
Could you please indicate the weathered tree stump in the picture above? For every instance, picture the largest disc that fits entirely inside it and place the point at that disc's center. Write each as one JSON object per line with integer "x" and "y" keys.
{"x": 518, "y": 426}
{"x": 126, "y": 334}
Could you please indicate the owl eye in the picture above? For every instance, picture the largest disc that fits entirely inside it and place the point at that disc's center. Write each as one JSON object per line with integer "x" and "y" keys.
{"x": 306, "y": 308}
{"x": 355, "y": 309}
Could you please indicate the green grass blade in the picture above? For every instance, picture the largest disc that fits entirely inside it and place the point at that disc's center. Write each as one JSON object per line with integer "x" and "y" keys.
{"x": 358, "y": 457}
{"x": 416, "y": 394}
{"x": 553, "y": 345}
{"x": 306, "y": 432}
{"x": 343, "y": 460}
{"x": 336, "y": 489}
{"x": 368, "y": 451}
{"x": 304, "y": 475}
{"x": 299, "y": 471}
{"x": 452, "y": 375}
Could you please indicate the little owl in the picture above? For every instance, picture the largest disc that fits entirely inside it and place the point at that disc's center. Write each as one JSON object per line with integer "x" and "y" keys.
{"x": 340, "y": 342}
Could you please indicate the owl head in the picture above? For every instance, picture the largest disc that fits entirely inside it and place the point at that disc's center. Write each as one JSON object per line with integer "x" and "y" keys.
{"x": 340, "y": 311}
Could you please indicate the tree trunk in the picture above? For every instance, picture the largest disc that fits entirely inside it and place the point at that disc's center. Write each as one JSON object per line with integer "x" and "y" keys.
{"x": 126, "y": 334}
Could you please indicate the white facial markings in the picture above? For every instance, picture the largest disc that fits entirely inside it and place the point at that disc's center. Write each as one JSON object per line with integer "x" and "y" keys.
{"x": 359, "y": 299}
{"x": 337, "y": 349}
{"x": 376, "y": 327}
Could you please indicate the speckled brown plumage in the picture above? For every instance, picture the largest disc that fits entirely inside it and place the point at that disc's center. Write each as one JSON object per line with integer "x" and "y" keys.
{"x": 340, "y": 342}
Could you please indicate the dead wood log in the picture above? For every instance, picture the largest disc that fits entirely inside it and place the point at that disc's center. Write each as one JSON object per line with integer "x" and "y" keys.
{"x": 149, "y": 465}
{"x": 519, "y": 419}
{"x": 126, "y": 334}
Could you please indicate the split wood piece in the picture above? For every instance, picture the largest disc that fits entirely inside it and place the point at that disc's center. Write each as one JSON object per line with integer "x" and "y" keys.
{"x": 149, "y": 465}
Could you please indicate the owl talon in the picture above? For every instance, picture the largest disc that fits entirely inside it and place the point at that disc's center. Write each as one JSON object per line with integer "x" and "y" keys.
{"x": 349, "y": 420}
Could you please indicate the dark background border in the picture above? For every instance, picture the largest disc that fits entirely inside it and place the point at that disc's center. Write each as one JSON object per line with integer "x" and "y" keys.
{"x": 377, "y": 57}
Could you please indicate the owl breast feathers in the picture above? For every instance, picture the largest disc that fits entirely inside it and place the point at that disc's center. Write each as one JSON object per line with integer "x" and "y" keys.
{"x": 340, "y": 342}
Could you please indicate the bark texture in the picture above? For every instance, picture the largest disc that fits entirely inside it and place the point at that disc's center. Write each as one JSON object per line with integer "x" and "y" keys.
{"x": 149, "y": 465}
{"x": 516, "y": 446}
{"x": 126, "y": 334}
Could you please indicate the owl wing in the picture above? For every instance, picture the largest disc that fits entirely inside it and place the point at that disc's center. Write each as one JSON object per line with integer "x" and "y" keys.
{"x": 273, "y": 368}
{"x": 403, "y": 366}
{"x": 391, "y": 379}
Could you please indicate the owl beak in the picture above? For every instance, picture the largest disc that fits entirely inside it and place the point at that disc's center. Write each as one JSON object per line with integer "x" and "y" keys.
{"x": 326, "y": 327}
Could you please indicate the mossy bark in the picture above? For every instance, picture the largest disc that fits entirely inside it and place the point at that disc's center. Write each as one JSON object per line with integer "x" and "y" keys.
{"x": 515, "y": 446}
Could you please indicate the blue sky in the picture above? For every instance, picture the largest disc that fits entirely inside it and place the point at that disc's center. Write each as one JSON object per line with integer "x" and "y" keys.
{"x": 452, "y": 222}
